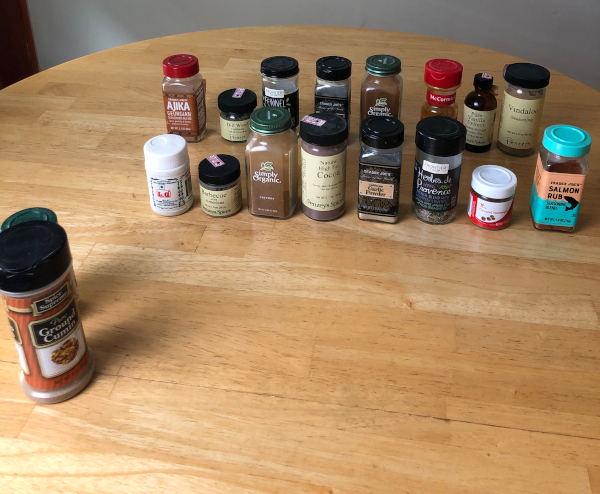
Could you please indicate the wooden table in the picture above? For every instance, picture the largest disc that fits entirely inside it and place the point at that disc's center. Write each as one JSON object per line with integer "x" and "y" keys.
{"x": 248, "y": 355}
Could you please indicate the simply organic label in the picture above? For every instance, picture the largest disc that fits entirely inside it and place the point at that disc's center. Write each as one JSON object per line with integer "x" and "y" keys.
{"x": 520, "y": 122}
{"x": 380, "y": 109}
{"x": 235, "y": 131}
{"x": 323, "y": 181}
{"x": 480, "y": 126}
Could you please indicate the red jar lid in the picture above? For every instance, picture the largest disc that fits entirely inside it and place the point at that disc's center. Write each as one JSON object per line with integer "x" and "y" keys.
{"x": 180, "y": 66}
{"x": 443, "y": 73}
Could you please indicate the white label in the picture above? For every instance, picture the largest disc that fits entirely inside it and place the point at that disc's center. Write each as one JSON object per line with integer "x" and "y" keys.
{"x": 323, "y": 181}
{"x": 235, "y": 130}
{"x": 274, "y": 93}
{"x": 439, "y": 168}
{"x": 480, "y": 126}
{"x": 520, "y": 122}
{"x": 171, "y": 193}
{"x": 58, "y": 359}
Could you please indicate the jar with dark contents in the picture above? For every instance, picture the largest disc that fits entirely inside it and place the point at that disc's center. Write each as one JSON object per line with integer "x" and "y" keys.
{"x": 491, "y": 197}
{"x": 442, "y": 78}
{"x": 220, "y": 185}
{"x": 235, "y": 106}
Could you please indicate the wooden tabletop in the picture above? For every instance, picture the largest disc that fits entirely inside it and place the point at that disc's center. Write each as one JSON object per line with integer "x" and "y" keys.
{"x": 249, "y": 355}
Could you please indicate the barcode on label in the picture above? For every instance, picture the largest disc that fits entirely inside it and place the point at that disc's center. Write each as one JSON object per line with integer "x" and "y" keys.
{"x": 188, "y": 186}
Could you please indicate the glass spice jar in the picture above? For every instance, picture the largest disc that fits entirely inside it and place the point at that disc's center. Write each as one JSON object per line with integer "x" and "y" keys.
{"x": 280, "y": 85}
{"x": 220, "y": 185}
{"x": 235, "y": 106}
{"x": 491, "y": 197}
{"x": 333, "y": 87}
{"x": 29, "y": 214}
{"x": 442, "y": 78}
{"x": 479, "y": 114}
{"x": 381, "y": 88}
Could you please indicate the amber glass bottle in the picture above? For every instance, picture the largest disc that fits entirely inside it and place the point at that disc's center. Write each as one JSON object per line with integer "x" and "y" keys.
{"x": 479, "y": 114}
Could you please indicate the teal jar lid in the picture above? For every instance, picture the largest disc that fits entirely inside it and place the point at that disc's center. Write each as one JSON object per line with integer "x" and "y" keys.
{"x": 270, "y": 120}
{"x": 567, "y": 141}
{"x": 29, "y": 214}
{"x": 383, "y": 65}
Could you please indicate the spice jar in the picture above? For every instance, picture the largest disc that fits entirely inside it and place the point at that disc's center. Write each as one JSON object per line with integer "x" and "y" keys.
{"x": 184, "y": 92}
{"x": 442, "y": 78}
{"x": 440, "y": 143}
{"x": 479, "y": 114}
{"x": 561, "y": 169}
{"x": 280, "y": 85}
{"x": 379, "y": 166}
{"x": 333, "y": 88}
{"x": 522, "y": 108}
{"x": 491, "y": 197}
{"x": 38, "y": 287}
{"x": 220, "y": 185}
{"x": 29, "y": 214}
{"x": 381, "y": 89}
{"x": 272, "y": 164}
{"x": 236, "y": 105}
{"x": 324, "y": 140}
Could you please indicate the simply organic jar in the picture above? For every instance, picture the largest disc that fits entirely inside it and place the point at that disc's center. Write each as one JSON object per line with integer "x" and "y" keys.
{"x": 220, "y": 185}
{"x": 491, "y": 197}
{"x": 236, "y": 105}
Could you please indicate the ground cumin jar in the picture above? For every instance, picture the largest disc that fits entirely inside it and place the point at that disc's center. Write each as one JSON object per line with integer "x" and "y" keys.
{"x": 220, "y": 185}
{"x": 491, "y": 197}
{"x": 38, "y": 288}
{"x": 236, "y": 105}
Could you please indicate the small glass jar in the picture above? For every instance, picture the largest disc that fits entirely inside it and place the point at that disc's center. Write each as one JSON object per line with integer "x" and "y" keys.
{"x": 440, "y": 144}
{"x": 334, "y": 86}
{"x": 442, "y": 78}
{"x": 491, "y": 197}
{"x": 236, "y": 105}
{"x": 220, "y": 185}
{"x": 280, "y": 85}
{"x": 479, "y": 113}
{"x": 381, "y": 88}
{"x": 522, "y": 108}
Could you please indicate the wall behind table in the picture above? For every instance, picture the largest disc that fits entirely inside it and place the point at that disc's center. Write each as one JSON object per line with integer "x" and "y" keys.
{"x": 561, "y": 34}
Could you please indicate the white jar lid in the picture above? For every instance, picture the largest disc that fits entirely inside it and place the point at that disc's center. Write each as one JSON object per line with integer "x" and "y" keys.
{"x": 166, "y": 152}
{"x": 495, "y": 182}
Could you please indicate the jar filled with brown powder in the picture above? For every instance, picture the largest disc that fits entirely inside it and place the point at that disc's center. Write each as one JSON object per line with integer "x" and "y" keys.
{"x": 381, "y": 89}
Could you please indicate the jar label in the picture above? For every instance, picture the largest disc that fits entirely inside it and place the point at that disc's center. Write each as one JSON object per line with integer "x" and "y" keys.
{"x": 323, "y": 181}
{"x": 440, "y": 99}
{"x": 435, "y": 186}
{"x": 167, "y": 194}
{"x": 378, "y": 189}
{"x": 269, "y": 189}
{"x": 556, "y": 197}
{"x": 339, "y": 106}
{"x": 480, "y": 126}
{"x": 520, "y": 122}
{"x": 235, "y": 130}
{"x": 238, "y": 93}
{"x": 280, "y": 99}
{"x": 186, "y": 113}
{"x": 221, "y": 202}
{"x": 488, "y": 214}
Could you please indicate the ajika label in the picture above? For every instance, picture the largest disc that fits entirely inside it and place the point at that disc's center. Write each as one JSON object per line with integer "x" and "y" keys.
{"x": 435, "y": 186}
{"x": 280, "y": 99}
{"x": 323, "y": 181}
{"x": 339, "y": 106}
{"x": 186, "y": 113}
{"x": 520, "y": 122}
{"x": 171, "y": 193}
{"x": 378, "y": 189}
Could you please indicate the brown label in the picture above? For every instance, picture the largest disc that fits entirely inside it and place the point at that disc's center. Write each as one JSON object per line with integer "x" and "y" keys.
{"x": 383, "y": 191}
{"x": 186, "y": 113}
{"x": 271, "y": 197}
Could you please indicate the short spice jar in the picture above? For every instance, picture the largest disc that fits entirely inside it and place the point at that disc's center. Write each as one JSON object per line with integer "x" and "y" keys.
{"x": 184, "y": 93}
{"x": 235, "y": 106}
{"x": 333, "y": 88}
{"x": 220, "y": 185}
{"x": 379, "y": 167}
{"x": 560, "y": 174}
{"x": 479, "y": 114}
{"x": 324, "y": 140}
{"x": 442, "y": 78}
{"x": 381, "y": 88}
{"x": 38, "y": 288}
{"x": 29, "y": 214}
{"x": 491, "y": 197}
{"x": 280, "y": 85}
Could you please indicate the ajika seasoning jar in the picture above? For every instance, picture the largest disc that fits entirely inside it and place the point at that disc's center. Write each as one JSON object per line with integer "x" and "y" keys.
{"x": 235, "y": 106}
{"x": 324, "y": 140}
{"x": 560, "y": 174}
{"x": 491, "y": 197}
{"x": 333, "y": 88}
{"x": 280, "y": 85}
{"x": 522, "y": 108}
{"x": 442, "y": 78}
{"x": 220, "y": 185}
{"x": 479, "y": 114}
{"x": 38, "y": 287}
{"x": 381, "y": 88}
{"x": 184, "y": 92}
{"x": 29, "y": 214}
{"x": 272, "y": 164}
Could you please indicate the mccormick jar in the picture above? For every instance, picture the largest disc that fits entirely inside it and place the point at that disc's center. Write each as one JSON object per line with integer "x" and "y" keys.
{"x": 442, "y": 78}
{"x": 479, "y": 114}
{"x": 236, "y": 105}
{"x": 38, "y": 288}
{"x": 220, "y": 185}
{"x": 381, "y": 89}
{"x": 280, "y": 85}
{"x": 333, "y": 88}
{"x": 440, "y": 144}
{"x": 379, "y": 166}
{"x": 184, "y": 92}
{"x": 324, "y": 140}
{"x": 491, "y": 197}
{"x": 522, "y": 108}
{"x": 272, "y": 164}
{"x": 561, "y": 169}
{"x": 30, "y": 214}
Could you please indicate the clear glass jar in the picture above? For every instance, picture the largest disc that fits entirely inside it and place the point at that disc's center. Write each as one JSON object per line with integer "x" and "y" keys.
{"x": 220, "y": 185}
{"x": 333, "y": 89}
{"x": 381, "y": 88}
{"x": 280, "y": 88}
{"x": 236, "y": 106}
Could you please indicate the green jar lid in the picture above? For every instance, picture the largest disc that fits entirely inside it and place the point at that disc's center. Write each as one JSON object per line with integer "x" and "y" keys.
{"x": 29, "y": 214}
{"x": 383, "y": 65}
{"x": 270, "y": 120}
{"x": 567, "y": 141}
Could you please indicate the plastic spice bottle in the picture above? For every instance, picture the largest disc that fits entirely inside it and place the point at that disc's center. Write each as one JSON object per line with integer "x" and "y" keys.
{"x": 280, "y": 85}
{"x": 220, "y": 185}
{"x": 479, "y": 114}
{"x": 333, "y": 87}
{"x": 491, "y": 197}
{"x": 560, "y": 173}
{"x": 381, "y": 89}
{"x": 522, "y": 108}
{"x": 236, "y": 105}
{"x": 184, "y": 92}
{"x": 324, "y": 140}
{"x": 272, "y": 164}
{"x": 29, "y": 214}
{"x": 168, "y": 173}
{"x": 38, "y": 287}
{"x": 442, "y": 78}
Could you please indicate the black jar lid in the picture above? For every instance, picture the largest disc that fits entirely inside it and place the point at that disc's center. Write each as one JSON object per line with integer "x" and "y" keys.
{"x": 440, "y": 136}
{"x": 334, "y": 68}
{"x": 483, "y": 80}
{"x": 382, "y": 132}
{"x": 527, "y": 75}
{"x": 32, "y": 255}
{"x": 219, "y": 169}
{"x": 238, "y": 100}
{"x": 324, "y": 129}
{"x": 280, "y": 67}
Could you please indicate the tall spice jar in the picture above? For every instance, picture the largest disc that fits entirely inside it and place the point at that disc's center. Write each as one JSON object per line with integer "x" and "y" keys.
{"x": 381, "y": 88}
{"x": 333, "y": 88}
{"x": 280, "y": 85}
{"x": 479, "y": 114}
{"x": 442, "y": 78}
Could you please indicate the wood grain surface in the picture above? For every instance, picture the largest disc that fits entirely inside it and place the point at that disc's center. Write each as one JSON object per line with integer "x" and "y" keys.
{"x": 249, "y": 355}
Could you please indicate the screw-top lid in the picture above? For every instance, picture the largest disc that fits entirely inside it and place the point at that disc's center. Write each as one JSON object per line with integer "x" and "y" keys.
{"x": 219, "y": 169}
{"x": 32, "y": 255}
{"x": 443, "y": 73}
{"x": 279, "y": 67}
{"x": 324, "y": 129}
{"x": 382, "y": 132}
{"x": 166, "y": 152}
{"x": 494, "y": 182}
{"x": 484, "y": 81}
{"x": 29, "y": 214}
{"x": 334, "y": 68}
{"x": 238, "y": 100}
{"x": 270, "y": 120}
{"x": 527, "y": 75}
{"x": 567, "y": 141}
{"x": 180, "y": 66}
{"x": 383, "y": 65}
{"x": 440, "y": 136}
